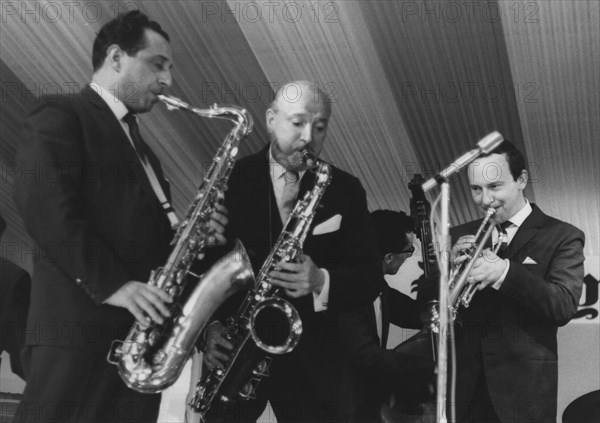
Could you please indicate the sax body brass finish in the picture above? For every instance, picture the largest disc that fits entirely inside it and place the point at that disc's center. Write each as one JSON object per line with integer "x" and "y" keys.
{"x": 150, "y": 360}
{"x": 249, "y": 362}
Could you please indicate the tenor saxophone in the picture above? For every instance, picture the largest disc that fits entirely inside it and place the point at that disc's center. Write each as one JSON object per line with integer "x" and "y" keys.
{"x": 150, "y": 360}
{"x": 249, "y": 363}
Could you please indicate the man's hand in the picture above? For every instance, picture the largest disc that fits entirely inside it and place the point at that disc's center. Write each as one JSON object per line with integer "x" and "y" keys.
{"x": 457, "y": 255}
{"x": 487, "y": 269}
{"x": 218, "y": 221}
{"x": 300, "y": 278}
{"x": 217, "y": 349}
{"x": 145, "y": 302}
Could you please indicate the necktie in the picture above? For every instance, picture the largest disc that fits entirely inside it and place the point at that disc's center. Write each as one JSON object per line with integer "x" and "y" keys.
{"x": 140, "y": 149}
{"x": 503, "y": 237}
{"x": 290, "y": 191}
{"x": 134, "y": 131}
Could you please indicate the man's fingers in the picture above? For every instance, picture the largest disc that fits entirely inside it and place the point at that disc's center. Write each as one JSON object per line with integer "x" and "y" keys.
{"x": 220, "y": 216}
{"x": 224, "y": 343}
{"x": 220, "y": 239}
{"x": 211, "y": 362}
{"x": 220, "y": 207}
{"x": 156, "y": 301}
{"x": 148, "y": 308}
{"x": 295, "y": 293}
{"x": 284, "y": 276}
{"x": 289, "y": 266}
{"x": 162, "y": 294}
{"x": 284, "y": 284}
{"x": 139, "y": 315}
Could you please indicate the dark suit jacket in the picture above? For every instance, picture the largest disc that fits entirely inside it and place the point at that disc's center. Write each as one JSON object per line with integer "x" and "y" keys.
{"x": 15, "y": 288}
{"x": 87, "y": 203}
{"x": 350, "y": 254}
{"x": 510, "y": 334}
{"x": 377, "y": 371}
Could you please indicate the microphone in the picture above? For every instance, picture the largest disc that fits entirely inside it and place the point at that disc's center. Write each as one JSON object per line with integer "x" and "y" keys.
{"x": 484, "y": 146}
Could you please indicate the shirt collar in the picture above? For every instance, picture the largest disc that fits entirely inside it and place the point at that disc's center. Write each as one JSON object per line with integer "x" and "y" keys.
{"x": 116, "y": 106}
{"x": 522, "y": 214}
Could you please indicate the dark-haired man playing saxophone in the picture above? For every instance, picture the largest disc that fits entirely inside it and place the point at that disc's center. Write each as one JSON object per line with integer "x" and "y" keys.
{"x": 102, "y": 223}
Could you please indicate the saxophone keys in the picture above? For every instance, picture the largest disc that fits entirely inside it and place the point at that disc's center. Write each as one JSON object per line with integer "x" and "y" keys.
{"x": 262, "y": 369}
{"x": 248, "y": 391}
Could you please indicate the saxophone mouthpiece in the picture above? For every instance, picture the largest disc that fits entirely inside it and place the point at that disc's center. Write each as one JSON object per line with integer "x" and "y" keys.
{"x": 309, "y": 158}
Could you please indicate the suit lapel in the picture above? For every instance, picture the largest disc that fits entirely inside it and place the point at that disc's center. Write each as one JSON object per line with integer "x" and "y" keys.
{"x": 526, "y": 231}
{"x": 122, "y": 144}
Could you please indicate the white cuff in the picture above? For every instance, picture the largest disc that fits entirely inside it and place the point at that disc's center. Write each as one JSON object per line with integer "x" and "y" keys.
{"x": 321, "y": 300}
{"x": 500, "y": 281}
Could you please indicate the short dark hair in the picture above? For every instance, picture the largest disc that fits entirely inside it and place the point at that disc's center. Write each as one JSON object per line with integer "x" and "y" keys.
{"x": 126, "y": 31}
{"x": 391, "y": 228}
{"x": 514, "y": 157}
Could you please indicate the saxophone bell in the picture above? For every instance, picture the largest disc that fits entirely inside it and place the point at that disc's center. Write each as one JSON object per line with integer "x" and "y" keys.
{"x": 275, "y": 326}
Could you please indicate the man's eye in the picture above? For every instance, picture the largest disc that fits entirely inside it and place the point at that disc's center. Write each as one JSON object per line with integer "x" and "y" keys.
{"x": 321, "y": 128}
{"x": 296, "y": 123}
{"x": 156, "y": 65}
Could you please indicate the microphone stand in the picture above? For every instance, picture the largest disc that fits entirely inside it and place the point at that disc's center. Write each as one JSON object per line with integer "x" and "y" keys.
{"x": 442, "y": 347}
{"x": 486, "y": 145}
{"x": 443, "y": 240}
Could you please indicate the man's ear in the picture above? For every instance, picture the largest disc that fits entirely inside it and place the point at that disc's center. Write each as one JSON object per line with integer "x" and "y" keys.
{"x": 114, "y": 55}
{"x": 388, "y": 258}
{"x": 269, "y": 118}
{"x": 523, "y": 179}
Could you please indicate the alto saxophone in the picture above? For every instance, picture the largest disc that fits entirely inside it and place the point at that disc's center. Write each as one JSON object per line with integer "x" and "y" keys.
{"x": 249, "y": 363}
{"x": 150, "y": 360}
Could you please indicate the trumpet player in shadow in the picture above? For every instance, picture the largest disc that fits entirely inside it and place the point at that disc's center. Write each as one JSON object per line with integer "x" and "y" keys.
{"x": 506, "y": 348}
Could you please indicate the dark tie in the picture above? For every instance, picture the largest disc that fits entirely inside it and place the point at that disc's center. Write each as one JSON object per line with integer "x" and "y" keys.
{"x": 290, "y": 192}
{"x": 134, "y": 132}
{"x": 503, "y": 238}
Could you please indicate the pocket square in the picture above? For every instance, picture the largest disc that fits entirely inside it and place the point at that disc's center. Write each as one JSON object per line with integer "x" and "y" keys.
{"x": 529, "y": 260}
{"x": 330, "y": 225}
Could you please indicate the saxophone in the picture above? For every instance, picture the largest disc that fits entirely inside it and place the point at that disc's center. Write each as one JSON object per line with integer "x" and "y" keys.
{"x": 249, "y": 363}
{"x": 150, "y": 360}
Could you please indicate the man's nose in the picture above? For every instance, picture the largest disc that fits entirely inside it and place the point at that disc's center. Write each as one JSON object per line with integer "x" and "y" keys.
{"x": 307, "y": 134}
{"x": 166, "y": 78}
{"x": 487, "y": 198}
